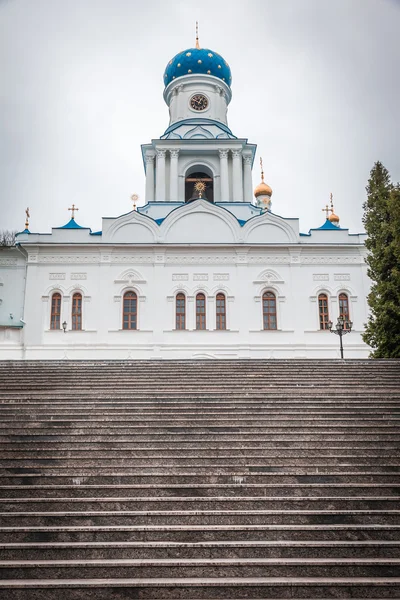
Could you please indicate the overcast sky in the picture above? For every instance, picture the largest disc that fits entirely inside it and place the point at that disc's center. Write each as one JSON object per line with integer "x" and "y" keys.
{"x": 315, "y": 85}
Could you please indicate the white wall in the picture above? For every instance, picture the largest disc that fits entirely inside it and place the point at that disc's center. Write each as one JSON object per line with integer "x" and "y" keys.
{"x": 12, "y": 288}
{"x": 157, "y": 274}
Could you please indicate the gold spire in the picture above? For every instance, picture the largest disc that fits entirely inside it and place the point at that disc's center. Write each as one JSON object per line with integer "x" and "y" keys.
{"x": 73, "y": 209}
{"x": 134, "y": 199}
{"x": 27, "y": 218}
{"x": 197, "y": 36}
{"x": 262, "y": 170}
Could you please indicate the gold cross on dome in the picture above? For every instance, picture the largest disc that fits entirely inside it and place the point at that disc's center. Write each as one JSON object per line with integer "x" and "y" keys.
{"x": 27, "y": 218}
{"x": 326, "y": 210}
{"x": 73, "y": 209}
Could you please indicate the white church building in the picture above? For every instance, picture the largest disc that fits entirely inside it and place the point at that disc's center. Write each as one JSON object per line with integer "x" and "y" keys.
{"x": 204, "y": 269}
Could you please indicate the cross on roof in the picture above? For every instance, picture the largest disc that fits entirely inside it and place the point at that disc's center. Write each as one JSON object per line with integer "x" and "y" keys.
{"x": 326, "y": 210}
{"x": 73, "y": 209}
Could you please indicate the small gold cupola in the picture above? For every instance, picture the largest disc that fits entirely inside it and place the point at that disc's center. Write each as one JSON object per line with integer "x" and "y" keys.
{"x": 263, "y": 192}
{"x": 333, "y": 218}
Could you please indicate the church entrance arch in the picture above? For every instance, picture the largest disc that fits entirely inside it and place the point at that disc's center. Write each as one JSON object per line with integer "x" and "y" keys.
{"x": 199, "y": 183}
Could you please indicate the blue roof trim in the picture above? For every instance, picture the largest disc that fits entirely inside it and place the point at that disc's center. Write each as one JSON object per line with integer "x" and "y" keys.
{"x": 21, "y": 232}
{"x": 96, "y": 233}
{"x": 158, "y": 221}
{"x": 328, "y": 225}
{"x": 72, "y": 224}
{"x": 198, "y": 121}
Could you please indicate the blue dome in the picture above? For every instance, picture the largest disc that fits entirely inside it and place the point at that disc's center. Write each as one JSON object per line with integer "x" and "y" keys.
{"x": 197, "y": 60}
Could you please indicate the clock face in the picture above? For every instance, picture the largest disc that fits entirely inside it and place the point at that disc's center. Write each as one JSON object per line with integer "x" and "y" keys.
{"x": 199, "y": 102}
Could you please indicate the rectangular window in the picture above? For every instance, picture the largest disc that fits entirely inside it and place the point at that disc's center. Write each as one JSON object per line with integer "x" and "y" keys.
{"x": 323, "y": 311}
{"x": 200, "y": 311}
{"x": 129, "y": 319}
{"x": 180, "y": 315}
{"x": 221, "y": 311}
{"x": 55, "y": 319}
{"x": 269, "y": 310}
{"x": 344, "y": 309}
{"x": 76, "y": 312}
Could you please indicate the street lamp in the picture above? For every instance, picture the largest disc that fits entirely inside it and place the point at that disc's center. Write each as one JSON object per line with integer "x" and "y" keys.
{"x": 343, "y": 326}
{"x": 64, "y": 326}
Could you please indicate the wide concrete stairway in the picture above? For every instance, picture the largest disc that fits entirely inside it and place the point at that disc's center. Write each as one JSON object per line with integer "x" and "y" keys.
{"x": 199, "y": 479}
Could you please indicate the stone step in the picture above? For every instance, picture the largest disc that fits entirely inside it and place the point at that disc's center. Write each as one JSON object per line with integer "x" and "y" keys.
{"x": 275, "y": 413}
{"x": 197, "y": 517}
{"x": 299, "y": 476}
{"x": 118, "y": 430}
{"x": 175, "y": 465}
{"x": 206, "y": 588}
{"x": 200, "y": 489}
{"x": 271, "y": 399}
{"x": 193, "y": 503}
{"x": 184, "y": 454}
{"x": 223, "y": 439}
{"x": 230, "y": 567}
{"x": 186, "y": 550}
{"x": 201, "y": 533}
{"x": 186, "y": 446}
{"x": 161, "y": 423}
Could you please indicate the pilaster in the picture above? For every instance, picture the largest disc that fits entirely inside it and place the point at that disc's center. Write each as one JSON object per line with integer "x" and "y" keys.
{"x": 160, "y": 176}
{"x": 237, "y": 169}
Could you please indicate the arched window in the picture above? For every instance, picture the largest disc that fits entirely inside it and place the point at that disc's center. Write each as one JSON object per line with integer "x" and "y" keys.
{"x": 323, "y": 311}
{"x": 221, "y": 311}
{"x": 269, "y": 310}
{"x": 129, "y": 319}
{"x": 200, "y": 311}
{"x": 76, "y": 312}
{"x": 192, "y": 191}
{"x": 180, "y": 311}
{"x": 344, "y": 308}
{"x": 55, "y": 318}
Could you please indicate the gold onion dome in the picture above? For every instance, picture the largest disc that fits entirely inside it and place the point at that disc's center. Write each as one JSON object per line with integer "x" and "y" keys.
{"x": 333, "y": 218}
{"x": 263, "y": 189}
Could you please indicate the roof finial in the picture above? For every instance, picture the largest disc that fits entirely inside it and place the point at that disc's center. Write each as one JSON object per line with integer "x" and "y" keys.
{"x": 262, "y": 170}
{"x": 73, "y": 209}
{"x": 326, "y": 210}
{"x": 27, "y": 218}
{"x": 134, "y": 199}
{"x": 197, "y": 35}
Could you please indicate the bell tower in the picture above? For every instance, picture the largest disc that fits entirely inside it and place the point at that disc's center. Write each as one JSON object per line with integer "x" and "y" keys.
{"x": 198, "y": 146}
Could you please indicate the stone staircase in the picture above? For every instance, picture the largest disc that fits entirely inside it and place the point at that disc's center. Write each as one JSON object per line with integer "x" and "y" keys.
{"x": 199, "y": 479}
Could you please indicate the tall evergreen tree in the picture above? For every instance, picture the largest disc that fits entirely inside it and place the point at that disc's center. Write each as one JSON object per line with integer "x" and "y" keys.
{"x": 382, "y": 224}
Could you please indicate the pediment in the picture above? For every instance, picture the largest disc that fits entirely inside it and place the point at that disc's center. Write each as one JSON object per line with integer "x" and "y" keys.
{"x": 200, "y": 222}
{"x": 131, "y": 228}
{"x": 268, "y": 228}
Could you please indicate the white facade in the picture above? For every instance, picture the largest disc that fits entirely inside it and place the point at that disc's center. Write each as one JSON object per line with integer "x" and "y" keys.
{"x": 170, "y": 247}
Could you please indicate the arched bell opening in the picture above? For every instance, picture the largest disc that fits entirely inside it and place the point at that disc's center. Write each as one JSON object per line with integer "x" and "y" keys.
{"x": 199, "y": 183}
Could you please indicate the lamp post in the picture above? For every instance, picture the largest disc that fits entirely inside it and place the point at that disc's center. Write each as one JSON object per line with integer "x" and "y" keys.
{"x": 64, "y": 326}
{"x": 343, "y": 326}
